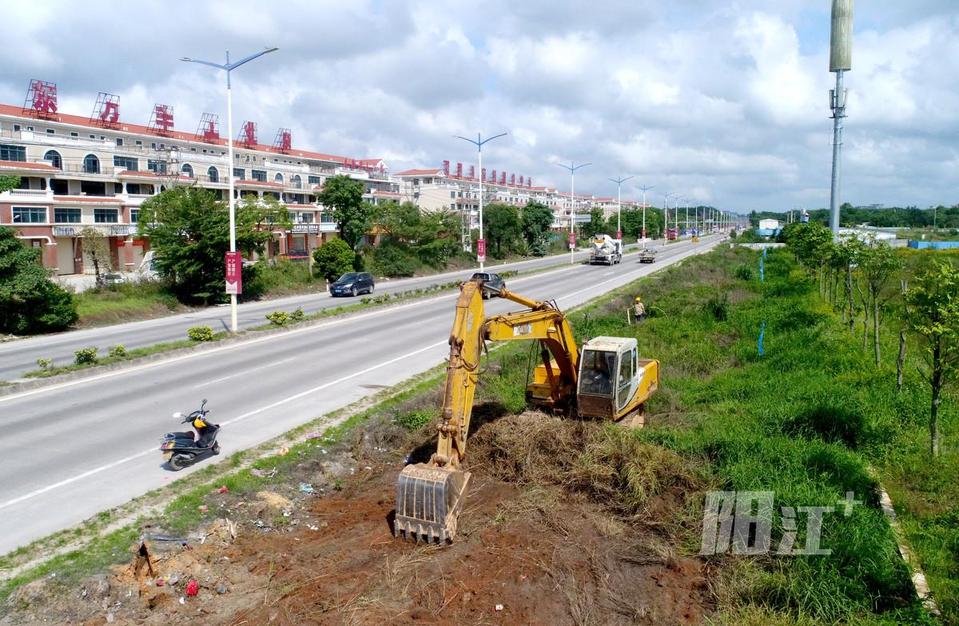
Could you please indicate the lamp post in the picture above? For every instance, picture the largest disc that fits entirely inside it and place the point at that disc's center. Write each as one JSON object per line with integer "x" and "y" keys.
{"x": 229, "y": 67}
{"x": 619, "y": 203}
{"x": 645, "y": 188}
{"x": 572, "y": 167}
{"x": 666, "y": 197}
{"x": 478, "y": 142}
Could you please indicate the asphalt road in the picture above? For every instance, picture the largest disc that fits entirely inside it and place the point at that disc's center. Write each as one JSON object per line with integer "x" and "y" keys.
{"x": 20, "y": 356}
{"x": 72, "y": 449}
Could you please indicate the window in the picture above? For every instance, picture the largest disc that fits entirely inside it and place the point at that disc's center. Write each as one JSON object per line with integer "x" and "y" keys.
{"x": 187, "y": 169}
{"x": 66, "y": 216}
{"x": 452, "y": 194}
{"x": 16, "y": 128}
{"x": 596, "y": 372}
{"x": 214, "y": 174}
{"x": 54, "y": 157}
{"x": 29, "y": 215}
{"x": 296, "y": 181}
{"x": 126, "y": 163}
{"x": 158, "y": 167}
{"x": 50, "y": 131}
{"x": 13, "y": 153}
{"x": 278, "y": 178}
{"x": 139, "y": 143}
{"x": 194, "y": 150}
{"x": 313, "y": 180}
{"x": 239, "y": 173}
{"x": 306, "y": 218}
{"x": 153, "y": 145}
{"x": 93, "y": 136}
{"x": 105, "y": 216}
{"x": 134, "y": 216}
{"x": 75, "y": 135}
{"x": 259, "y": 175}
{"x": 119, "y": 141}
{"x": 91, "y": 164}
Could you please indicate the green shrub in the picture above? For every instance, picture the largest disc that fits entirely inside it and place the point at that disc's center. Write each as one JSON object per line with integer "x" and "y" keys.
{"x": 297, "y": 315}
{"x": 718, "y": 307}
{"x": 44, "y": 363}
{"x": 417, "y": 419}
{"x": 118, "y": 351}
{"x": 200, "y": 333}
{"x": 29, "y": 301}
{"x": 333, "y": 259}
{"x": 85, "y": 356}
{"x": 278, "y": 318}
{"x": 394, "y": 261}
{"x": 744, "y": 272}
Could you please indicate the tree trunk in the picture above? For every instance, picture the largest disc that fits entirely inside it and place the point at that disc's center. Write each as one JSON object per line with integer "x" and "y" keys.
{"x": 875, "y": 325}
{"x": 852, "y": 305}
{"x": 936, "y": 381}
{"x": 901, "y": 360}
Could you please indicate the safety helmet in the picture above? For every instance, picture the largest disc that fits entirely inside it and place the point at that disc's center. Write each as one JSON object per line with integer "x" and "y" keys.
{"x": 637, "y": 298}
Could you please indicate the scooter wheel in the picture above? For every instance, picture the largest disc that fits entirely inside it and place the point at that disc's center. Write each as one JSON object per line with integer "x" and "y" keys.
{"x": 178, "y": 462}
{"x": 216, "y": 448}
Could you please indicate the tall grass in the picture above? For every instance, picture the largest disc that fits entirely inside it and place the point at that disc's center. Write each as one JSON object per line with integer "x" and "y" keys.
{"x": 803, "y": 421}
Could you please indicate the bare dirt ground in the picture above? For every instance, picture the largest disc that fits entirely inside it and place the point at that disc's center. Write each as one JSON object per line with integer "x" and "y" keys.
{"x": 561, "y": 526}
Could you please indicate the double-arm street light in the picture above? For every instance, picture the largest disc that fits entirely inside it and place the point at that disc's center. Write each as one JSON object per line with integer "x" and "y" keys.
{"x": 619, "y": 203}
{"x": 478, "y": 142}
{"x": 572, "y": 167}
{"x": 229, "y": 67}
{"x": 645, "y": 188}
{"x": 666, "y": 197}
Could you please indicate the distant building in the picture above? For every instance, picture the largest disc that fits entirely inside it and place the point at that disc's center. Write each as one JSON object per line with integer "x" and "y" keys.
{"x": 770, "y": 224}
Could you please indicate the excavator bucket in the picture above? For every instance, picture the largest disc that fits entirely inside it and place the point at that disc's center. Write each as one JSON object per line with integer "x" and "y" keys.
{"x": 428, "y": 502}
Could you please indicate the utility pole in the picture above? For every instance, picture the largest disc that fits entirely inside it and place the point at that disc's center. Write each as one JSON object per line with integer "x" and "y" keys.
{"x": 619, "y": 203}
{"x": 481, "y": 243}
{"x": 229, "y": 67}
{"x": 572, "y": 167}
{"x": 840, "y": 60}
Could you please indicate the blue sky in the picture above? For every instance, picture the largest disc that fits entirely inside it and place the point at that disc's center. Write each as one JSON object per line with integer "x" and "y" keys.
{"x": 724, "y": 102}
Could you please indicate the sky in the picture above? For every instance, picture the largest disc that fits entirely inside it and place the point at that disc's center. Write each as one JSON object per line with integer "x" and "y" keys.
{"x": 723, "y": 102}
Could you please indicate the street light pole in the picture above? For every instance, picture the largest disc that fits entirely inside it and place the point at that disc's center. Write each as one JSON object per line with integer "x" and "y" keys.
{"x": 478, "y": 142}
{"x": 619, "y": 203}
{"x": 572, "y": 167}
{"x": 229, "y": 67}
{"x": 645, "y": 188}
{"x": 666, "y": 197}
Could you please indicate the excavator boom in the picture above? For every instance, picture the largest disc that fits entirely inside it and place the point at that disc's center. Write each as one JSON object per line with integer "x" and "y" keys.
{"x": 429, "y": 496}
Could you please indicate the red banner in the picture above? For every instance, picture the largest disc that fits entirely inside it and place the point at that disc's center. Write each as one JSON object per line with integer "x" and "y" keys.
{"x": 234, "y": 273}
{"x": 572, "y": 240}
{"x": 481, "y": 250}
{"x": 619, "y": 234}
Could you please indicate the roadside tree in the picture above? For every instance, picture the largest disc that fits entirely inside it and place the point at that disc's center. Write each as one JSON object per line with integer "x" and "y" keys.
{"x": 96, "y": 247}
{"x": 503, "y": 228}
{"x": 344, "y": 197}
{"x": 190, "y": 233}
{"x": 333, "y": 259}
{"x": 537, "y": 218}
{"x": 29, "y": 301}
{"x": 933, "y": 316}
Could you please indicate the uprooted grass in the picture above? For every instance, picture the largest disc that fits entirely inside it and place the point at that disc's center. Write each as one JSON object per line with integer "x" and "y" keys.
{"x": 605, "y": 463}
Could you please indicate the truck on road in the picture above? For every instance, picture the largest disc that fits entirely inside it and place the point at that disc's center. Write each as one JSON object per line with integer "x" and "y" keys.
{"x": 606, "y": 250}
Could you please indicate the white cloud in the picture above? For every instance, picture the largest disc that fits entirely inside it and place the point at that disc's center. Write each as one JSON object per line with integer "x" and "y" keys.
{"x": 725, "y": 103}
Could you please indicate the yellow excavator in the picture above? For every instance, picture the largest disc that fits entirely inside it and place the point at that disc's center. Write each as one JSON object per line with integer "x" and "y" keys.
{"x": 603, "y": 379}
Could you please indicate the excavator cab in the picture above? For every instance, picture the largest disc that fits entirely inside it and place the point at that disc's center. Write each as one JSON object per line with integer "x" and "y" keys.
{"x": 605, "y": 378}
{"x": 614, "y": 382}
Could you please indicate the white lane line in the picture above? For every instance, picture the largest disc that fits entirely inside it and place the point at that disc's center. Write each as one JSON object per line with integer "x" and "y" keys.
{"x": 261, "y": 367}
{"x": 154, "y": 450}
{"x": 253, "y": 341}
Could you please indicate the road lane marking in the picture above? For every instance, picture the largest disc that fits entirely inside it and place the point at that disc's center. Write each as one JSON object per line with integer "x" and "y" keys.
{"x": 155, "y": 449}
{"x": 253, "y": 341}
{"x": 261, "y": 367}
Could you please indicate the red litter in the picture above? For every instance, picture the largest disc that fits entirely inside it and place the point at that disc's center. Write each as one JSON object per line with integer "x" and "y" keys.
{"x": 192, "y": 587}
{"x": 222, "y": 489}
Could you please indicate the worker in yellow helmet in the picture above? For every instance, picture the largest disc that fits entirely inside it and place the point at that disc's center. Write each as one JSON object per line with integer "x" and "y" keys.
{"x": 639, "y": 309}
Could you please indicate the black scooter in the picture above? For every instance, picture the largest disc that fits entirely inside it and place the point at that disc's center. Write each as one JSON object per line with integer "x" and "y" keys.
{"x": 182, "y": 449}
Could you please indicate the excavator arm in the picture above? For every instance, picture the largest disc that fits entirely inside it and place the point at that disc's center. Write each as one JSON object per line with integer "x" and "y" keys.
{"x": 429, "y": 496}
